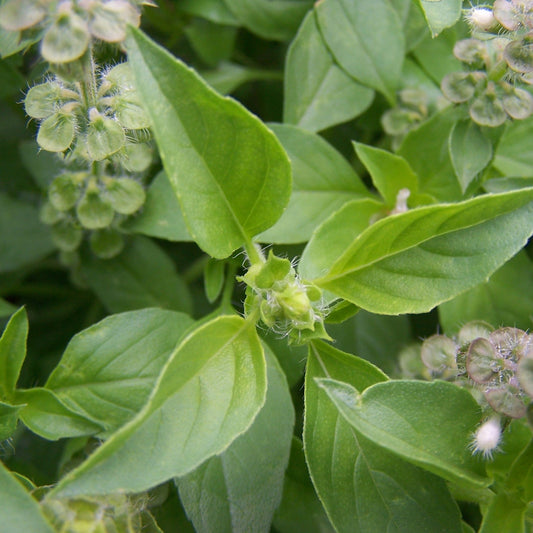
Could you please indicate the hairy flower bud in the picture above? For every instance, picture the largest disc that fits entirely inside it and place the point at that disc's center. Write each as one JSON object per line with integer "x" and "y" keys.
{"x": 487, "y": 438}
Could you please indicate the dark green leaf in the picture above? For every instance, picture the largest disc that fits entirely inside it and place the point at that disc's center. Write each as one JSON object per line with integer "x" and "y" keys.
{"x": 225, "y": 199}
{"x": 505, "y": 514}
{"x": 12, "y": 353}
{"x": 213, "y": 10}
{"x": 9, "y": 415}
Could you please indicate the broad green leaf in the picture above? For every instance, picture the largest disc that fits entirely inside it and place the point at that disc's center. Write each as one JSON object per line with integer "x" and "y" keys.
{"x": 323, "y": 181}
{"x": 318, "y": 93}
{"x": 300, "y": 509}
{"x": 401, "y": 416}
{"x": 141, "y": 276}
{"x": 230, "y": 173}
{"x": 161, "y": 213}
{"x": 425, "y": 150}
{"x": 270, "y": 19}
{"x": 514, "y": 156}
{"x": 208, "y": 394}
{"x": 441, "y": 14}
{"x": 109, "y": 370}
{"x": 413, "y": 261}
{"x": 23, "y": 238}
{"x": 389, "y": 172}
{"x": 9, "y": 415}
{"x": 366, "y": 40}
{"x": 505, "y": 514}
{"x": 6, "y": 308}
{"x": 365, "y": 488}
{"x": 19, "y": 511}
{"x": 413, "y": 22}
{"x": 470, "y": 151}
{"x": 240, "y": 489}
{"x": 505, "y": 299}
{"x": 213, "y": 10}
{"x": 12, "y": 352}
{"x": 47, "y": 416}
{"x": 211, "y": 41}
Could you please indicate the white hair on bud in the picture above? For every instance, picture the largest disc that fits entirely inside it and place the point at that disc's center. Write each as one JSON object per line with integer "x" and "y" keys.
{"x": 481, "y": 18}
{"x": 487, "y": 438}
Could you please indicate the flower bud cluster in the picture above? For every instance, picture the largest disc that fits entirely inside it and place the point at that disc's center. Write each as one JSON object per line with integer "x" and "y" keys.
{"x": 285, "y": 303}
{"x": 66, "y": 27}
{"x": 499, "y": 58}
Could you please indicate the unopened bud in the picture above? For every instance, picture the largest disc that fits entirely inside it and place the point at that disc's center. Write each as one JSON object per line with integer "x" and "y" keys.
{"x": 487, "y": 438}
{"x": 93, "y": 212}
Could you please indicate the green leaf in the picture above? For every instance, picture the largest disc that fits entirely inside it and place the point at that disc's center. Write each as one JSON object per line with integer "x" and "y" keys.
{"x": 240, "y": 489}
{"x": 18, "y": 507}
{"x": 108, "y": 370}
{"x": 161, "y": 213}
{"x": 6, "y": 308}
{"x": 470, "y": 151}
{"x": 23, "y": 238}
{"x": 365, "y": 488}
{"x": 231, "y": 175}
{"x": 513, "y": 156}
{"x": 208, "y": 394}
{"x": 141, "y": 276}
{"x": 47, "y": 416}
{"x": 9, "y": 415}
{"x": 366, "y": 41}
{"x": 300, "y": 509}
{"x": 12, "y": 352}
{"x": 389, "y": 172}
{"x": 270, "y": 19}
{"x": 323, "y": 181}
{"x": 423, "y": 150}
{"x": 318, "y": 93}
{"x": 213, "y": 10}
{"x": 506, "y": 298}
{"x": 212, "y": 42}
{"x": 401, "y": 416}
{"x": 413, "y": 261}
{"x": 440, "y": 14}
{"x": 214, "y": 276}
{"x": 505, "y": 514}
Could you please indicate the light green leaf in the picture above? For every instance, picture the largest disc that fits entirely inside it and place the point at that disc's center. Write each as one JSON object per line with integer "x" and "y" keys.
{"x": 108, "y": 370}
{"x": 423, "y": 150}
{"x": 47, "y": 416}
{"x": 367, "y": 41}
{"x": 239, "y": 490}
{"x": 505, "y": 299}
{"x": 470, "y": 151}
{"x": 389, "y": 172}
{"x": 365, "y": 488}
{"x": 441, "y": 14}
{"x": 323, "y": 181}
{"x": 208, "y": 394}
{"x": 270, "y": 19}
{"x": 514, "y": 156}
{"x": 141, "y": 276}
{"x": 401, "y": 416}
{"x": 413, "y": 22}
{"x": 9, "y": 415}
{"x": 300, "y": 509}
{"x": 318, "y": 93}
{"x": 214, "y": 276}
{"x": 413, "y": 261}
{"x": 505, "y": 514}
{"x": 23, "y": 238}
{"x": 18, "y": 507}
{"x": 161, "y": 213}
{"x": 12, "y": 352}
{"x": 231, "y": 175}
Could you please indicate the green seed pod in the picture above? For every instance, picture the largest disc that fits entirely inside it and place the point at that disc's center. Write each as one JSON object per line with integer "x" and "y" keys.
{"x": 504, "y": 13}
{"x": 124, "y": 194}
{"x": 49, "y": 214}
{"x": 109, "y": 20}
{"x": 398, "y": 121}
{"x": 482, "y": 361}
{"x": 518, "y": 104}
{"x": 487, "y": 110}
{"x": 474, "y": 330}
{"x": 94, "y": 212}
{"x": 136, "y": 157}
{"x": 470, "y": 51}
{"x": 106, "y": 243}
{"x": 438, "y": 354}
{"x": 525, "y": 375}
{"x": 129, "y": 112}
{"x": 16, "y": 15}
{"x": 460, "y": 86}
{"x": 57, "y": 132}
{"x": 64, "y": 192}
{"x": 66, "y": 40}
{"x": 67, "y": 236}
{"x": 519, "y": 54}
{"x": 121, "y": 77}
{"x": 506, "y": 401}
{"x": 512, "y": 343}
{"x": 43, "y": 100}
{"x": 105, "y": 136}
